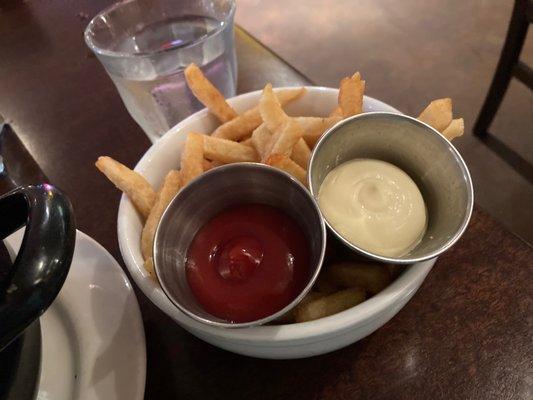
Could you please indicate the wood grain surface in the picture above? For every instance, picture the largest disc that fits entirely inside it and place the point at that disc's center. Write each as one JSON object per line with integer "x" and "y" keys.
{"x": 465, "y": 335}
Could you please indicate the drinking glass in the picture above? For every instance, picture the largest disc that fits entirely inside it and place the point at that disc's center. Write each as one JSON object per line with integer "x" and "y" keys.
{"x": 145, "y": 45}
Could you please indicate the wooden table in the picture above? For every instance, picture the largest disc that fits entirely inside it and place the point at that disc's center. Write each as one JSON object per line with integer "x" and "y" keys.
{"x": 467, "y": 333}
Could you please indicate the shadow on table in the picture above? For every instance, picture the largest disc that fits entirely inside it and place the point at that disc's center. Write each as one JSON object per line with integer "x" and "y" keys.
{"x": 196, "y": 370}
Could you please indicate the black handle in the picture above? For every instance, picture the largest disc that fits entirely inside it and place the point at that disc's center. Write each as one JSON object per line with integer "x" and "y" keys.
{"x": 33, "y": 281}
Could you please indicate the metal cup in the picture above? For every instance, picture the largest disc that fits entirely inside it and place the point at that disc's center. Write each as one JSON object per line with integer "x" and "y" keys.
{"x": 212, "y": 192}
{"x": 423, "y": 153}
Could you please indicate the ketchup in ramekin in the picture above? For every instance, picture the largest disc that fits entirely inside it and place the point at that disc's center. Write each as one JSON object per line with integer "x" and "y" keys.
{"x": 248, "y": 262}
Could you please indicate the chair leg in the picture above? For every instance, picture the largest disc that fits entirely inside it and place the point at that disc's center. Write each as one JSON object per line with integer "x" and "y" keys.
{"x": 516, "y": 35}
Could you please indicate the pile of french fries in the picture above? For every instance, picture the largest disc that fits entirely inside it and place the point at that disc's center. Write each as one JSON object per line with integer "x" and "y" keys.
{"x": 341, "y": 285}
{"x": 266, "y": 134}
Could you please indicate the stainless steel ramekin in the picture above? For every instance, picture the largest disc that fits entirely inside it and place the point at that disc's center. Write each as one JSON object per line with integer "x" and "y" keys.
{"x": 206, "y": 196}
{"x": 423, "y": 153}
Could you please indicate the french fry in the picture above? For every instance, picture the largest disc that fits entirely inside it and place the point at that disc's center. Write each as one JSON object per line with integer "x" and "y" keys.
{"x": 149, "y": 267}
{"x": 301, "y": 153}
{"x": 314, "y": 127}
{"x": 239, "y": 127}
{"x": 309, "y": 297}
{"x": 437, "y": 114}
{"x": 227, "y": 151}
{"x": 371, "y": 277}
{"x": 287, "y": 96}
{"x": 288, "y": 318}
{"x": 337, "y": 112}
{"x": 287, "y": 136}
{"x": 351, "y": 93}
{"x": 171, "y": 186}
{"x": 243, "y": 126}
{"x": 136, "y": 187}
{"x": 455, "y": 129}
{"x": 192, "y": 159}
{"x": 324, "y": 285}
{"x": 247, "y": 142}
{"x": 211, "y": 164}
{"x": 208, "y": 94}
{"x": 330, "y": 305}
{"x": 261, "y": 138}
{"x": 271, "y": 111}
{"x": 286, "y": 164}
{"x": 207, "y": 165}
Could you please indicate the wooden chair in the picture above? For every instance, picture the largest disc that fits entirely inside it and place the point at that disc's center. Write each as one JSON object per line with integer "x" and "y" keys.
{"x": 509, "y": 66}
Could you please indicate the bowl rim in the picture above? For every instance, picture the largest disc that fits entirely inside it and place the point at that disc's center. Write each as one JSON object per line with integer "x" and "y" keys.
{"x": 457, "y": 157}
{"x": 257, "y": 167}
{"x": 266, "y": 335}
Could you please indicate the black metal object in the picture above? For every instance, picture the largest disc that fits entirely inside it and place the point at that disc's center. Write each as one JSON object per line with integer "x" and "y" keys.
{"x": 44, "y": 258}
{"x": 20, "y": 362}
{"x": 508, "y": 66}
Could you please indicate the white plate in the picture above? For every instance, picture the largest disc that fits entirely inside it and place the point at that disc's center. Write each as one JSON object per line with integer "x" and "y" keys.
{"x": 93, "y": 336}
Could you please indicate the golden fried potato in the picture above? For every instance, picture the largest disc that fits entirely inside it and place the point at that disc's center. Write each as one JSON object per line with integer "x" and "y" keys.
{"x": 301, "y": 153}
{"x": 284, "y": 139}
{"x": 261, "y": 139}
{"x": 136, "y": 187}
{"x": 227, "y": 151}
{"x": 192, "y": 158}
{"x": 455, "y": 129}
{"x": 211, "y": 164}
{"x": 240, "y": 127}
{"x": 351, "y": 93}
{"x": 247, "y": 142}
{"x": 243, "y": 126}
{"x": 208, "y": 94}
{"x": 314, "y": 127}
{"x": 371, "y": 277}
{"x": 337, "y": 112}
{"x": 437, "y": 114}
{"x": 329, "y": 305}
{"x": 271, "y": 111}
{"x": 286, "y": 164}
{"x": 171, "y": 186}
{"x": 149, "y": 267}
{"x": 287, "y": 96}
{"x": 289, "y": 317}
{"x": 324, "y": 285}
{"x": 207, "y": 165}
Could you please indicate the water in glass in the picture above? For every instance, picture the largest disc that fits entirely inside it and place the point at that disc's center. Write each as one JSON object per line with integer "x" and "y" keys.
{"x": 152, "y": 84}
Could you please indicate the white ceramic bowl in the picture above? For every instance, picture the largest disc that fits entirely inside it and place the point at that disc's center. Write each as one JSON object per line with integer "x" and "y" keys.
{"x": 281, "y": 341}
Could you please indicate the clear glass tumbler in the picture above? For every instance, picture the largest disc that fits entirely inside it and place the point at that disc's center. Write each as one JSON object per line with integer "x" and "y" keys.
{"x": 145, "y": 45}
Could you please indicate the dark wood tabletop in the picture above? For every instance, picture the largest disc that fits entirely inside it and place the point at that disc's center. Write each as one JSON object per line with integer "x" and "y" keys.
{"x": 466, "y": 334}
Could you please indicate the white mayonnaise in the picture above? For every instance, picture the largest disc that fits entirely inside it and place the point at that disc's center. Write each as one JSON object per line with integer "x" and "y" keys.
{"x": 374, "y": 205}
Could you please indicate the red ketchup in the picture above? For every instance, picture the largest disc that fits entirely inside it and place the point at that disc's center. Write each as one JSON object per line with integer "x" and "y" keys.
{"x": 248, "y": 262}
